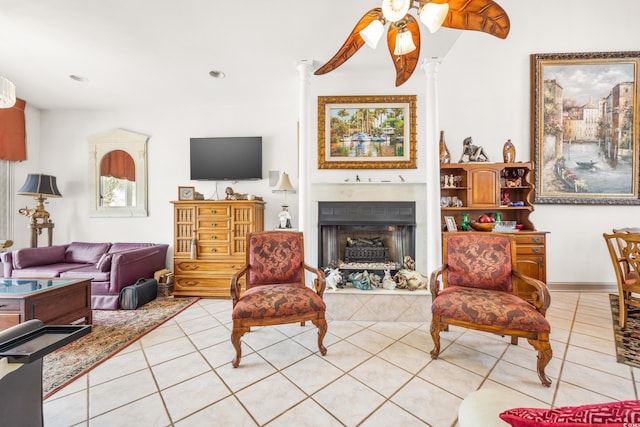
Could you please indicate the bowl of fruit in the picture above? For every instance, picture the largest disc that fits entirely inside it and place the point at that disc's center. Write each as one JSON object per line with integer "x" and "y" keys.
{"x": 484, "y": 223}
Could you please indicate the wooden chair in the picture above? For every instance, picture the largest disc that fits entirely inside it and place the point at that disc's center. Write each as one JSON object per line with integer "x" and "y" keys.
{"x": 275, "y": 287}
{"x": 479, "y": 292}
{"x": 624, "y": 250}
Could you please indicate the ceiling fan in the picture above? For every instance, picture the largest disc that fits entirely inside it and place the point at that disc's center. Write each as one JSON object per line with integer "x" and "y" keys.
{"x": 403, "y": 35}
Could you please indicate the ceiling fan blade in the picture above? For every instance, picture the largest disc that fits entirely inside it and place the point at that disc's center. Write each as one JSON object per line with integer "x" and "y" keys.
{"x": 479, "y": 15}
{"x": 405, "y": 64}
{"x": 353, "y": 43}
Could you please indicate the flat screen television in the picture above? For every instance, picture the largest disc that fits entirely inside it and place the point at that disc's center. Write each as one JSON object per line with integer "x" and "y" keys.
{"x": 226, "y": 158}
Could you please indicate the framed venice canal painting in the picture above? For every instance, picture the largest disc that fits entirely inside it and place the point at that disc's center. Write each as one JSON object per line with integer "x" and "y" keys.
{"x": 584, "y": 124}
{"x": 367, "y": 132}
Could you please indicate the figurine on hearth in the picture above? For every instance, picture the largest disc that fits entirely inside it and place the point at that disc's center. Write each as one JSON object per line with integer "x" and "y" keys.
{"x": 334, "y": 278}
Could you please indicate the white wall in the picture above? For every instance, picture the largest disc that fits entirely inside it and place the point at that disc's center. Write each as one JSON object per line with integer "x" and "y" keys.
{"x": 483, "y": 92}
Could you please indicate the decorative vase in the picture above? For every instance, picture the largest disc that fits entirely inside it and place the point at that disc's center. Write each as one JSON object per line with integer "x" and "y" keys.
{"x": 445, "y": 155}
{"x": 509, "y": 152}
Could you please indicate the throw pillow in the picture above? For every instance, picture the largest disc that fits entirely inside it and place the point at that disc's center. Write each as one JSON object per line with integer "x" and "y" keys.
{"x": 85, "y": 253}
{"x": 104, "y": 265}
{"x": 29, "y": 257}
{"x": 605, "y": 414}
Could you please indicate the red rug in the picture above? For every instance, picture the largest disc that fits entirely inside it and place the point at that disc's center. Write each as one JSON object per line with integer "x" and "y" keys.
{"x": 111, "y": 332}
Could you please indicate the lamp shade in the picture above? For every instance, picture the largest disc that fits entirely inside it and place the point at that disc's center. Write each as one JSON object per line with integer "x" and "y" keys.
{"x": 372, "y": 33}
{"x": 283, "y": 183}
{"x": 39, "y": 185}
{"x": 432, "y": 15}
{"x": 404, "y": 43}
{"x": 7, "y": 93}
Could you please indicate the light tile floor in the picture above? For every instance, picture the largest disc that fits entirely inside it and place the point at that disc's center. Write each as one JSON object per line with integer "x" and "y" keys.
{"x": 374, "y": 374}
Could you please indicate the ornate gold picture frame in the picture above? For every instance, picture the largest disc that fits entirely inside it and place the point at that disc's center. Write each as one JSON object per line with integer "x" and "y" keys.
{"x": 584, "y": 124}
{"x": 367, "y": 132}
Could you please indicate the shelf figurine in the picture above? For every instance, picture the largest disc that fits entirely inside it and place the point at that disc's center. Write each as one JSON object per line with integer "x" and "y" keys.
{"x": 474, "y": 153}
{"x": 509, "y": 152}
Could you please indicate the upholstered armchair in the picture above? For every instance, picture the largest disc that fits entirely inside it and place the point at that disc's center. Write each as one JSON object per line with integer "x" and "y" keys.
{"x": 276, "y": 293}
{"x": 624, "y": 250}
{"x": 475, "y": 289}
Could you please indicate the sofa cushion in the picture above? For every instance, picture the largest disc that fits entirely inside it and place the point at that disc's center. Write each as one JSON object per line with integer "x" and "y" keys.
{"x": 87, "y": 272}
{"x": 86, "y": 253}
{"x": 50, "y": 270}
{"x": 277, "y": 301}
{"x": 27, "y": 257}
{"x": 119, "y": 247}
{"x": 104, "y": 264}
{"x": 487, "y": 307}
{"x": 611, "y": 414}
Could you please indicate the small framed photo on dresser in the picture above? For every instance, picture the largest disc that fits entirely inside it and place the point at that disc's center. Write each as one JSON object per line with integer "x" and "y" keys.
{"x": 451, "y": 223}
{"x": 186, "y": 193}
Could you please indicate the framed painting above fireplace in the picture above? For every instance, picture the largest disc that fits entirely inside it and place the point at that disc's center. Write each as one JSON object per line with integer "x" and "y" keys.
{"x": 367, "y": 132}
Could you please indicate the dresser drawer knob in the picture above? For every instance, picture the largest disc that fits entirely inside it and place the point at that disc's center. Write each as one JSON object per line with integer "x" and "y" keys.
{"x": 537, "y": 239}
{"x": 536, "y": 250}
{"x": 214, "y": 237}
{"x": 213, "y": 211}
{"x": 213, "y": 224}
{"x": 214, "y": 250}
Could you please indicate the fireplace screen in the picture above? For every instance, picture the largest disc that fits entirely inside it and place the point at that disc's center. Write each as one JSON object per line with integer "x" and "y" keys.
{"x": 366, "y": 235}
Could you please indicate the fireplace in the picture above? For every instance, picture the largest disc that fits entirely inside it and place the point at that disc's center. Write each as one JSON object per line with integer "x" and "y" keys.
{"x": 365, "y": 235}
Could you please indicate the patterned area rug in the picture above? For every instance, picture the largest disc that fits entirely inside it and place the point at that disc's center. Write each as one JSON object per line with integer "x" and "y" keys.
{"x": 627, "y": 338}
{"x": 112, "y": 331}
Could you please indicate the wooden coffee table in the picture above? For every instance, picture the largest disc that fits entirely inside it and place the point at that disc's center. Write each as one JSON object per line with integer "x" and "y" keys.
{"x": 53, "y": 301}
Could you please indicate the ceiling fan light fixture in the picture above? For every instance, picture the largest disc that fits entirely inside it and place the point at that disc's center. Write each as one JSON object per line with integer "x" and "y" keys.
{"x": 372, "y": 33}
{"x": 7, "y": 93}
{"x": 395, "y": 10}
{"x": 404, "y": 43}
{"x": 433, "y": 14}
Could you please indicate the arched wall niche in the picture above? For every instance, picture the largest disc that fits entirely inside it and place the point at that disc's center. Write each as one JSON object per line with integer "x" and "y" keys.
{"x": 118, "y": 174}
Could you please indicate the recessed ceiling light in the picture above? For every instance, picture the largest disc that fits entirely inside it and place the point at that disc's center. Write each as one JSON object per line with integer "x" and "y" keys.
{"x": 78, "y": 78}
{"x": 217, "y": 74}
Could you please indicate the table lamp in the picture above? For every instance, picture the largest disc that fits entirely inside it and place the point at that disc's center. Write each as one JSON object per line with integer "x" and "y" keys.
{"x": 284, "y": 185}
{"x": 41, "y": 187}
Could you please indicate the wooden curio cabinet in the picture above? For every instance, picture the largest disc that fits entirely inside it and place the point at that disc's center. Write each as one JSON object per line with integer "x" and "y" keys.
{"x": 488, "y": 189}
{"x": 209, "y": 243}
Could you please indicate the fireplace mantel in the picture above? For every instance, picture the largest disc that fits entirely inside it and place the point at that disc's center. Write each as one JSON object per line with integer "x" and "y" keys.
{"x": 368, "y": 191}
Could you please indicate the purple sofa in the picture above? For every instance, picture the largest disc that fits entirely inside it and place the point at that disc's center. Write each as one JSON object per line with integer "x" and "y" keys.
{"x": 111, "y": 266}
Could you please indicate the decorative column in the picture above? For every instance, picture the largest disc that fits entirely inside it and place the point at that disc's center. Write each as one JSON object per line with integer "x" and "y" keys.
{"x": 432, "y": 123}
{"x": 305, "y": 67}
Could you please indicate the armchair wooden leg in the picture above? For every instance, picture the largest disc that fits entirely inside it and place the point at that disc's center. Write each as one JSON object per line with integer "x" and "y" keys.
{"x": 322, "y": 331}
{"x": 544, "y": 356}
{"x": 236, "y": 334}
{"x": 435, "y": 335}
{"x": 622, "y": 313}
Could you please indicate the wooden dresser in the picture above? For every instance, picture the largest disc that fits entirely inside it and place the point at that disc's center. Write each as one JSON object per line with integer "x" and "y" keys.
{"x": 219, "y": 229}
{"x": 488, "y": 188}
